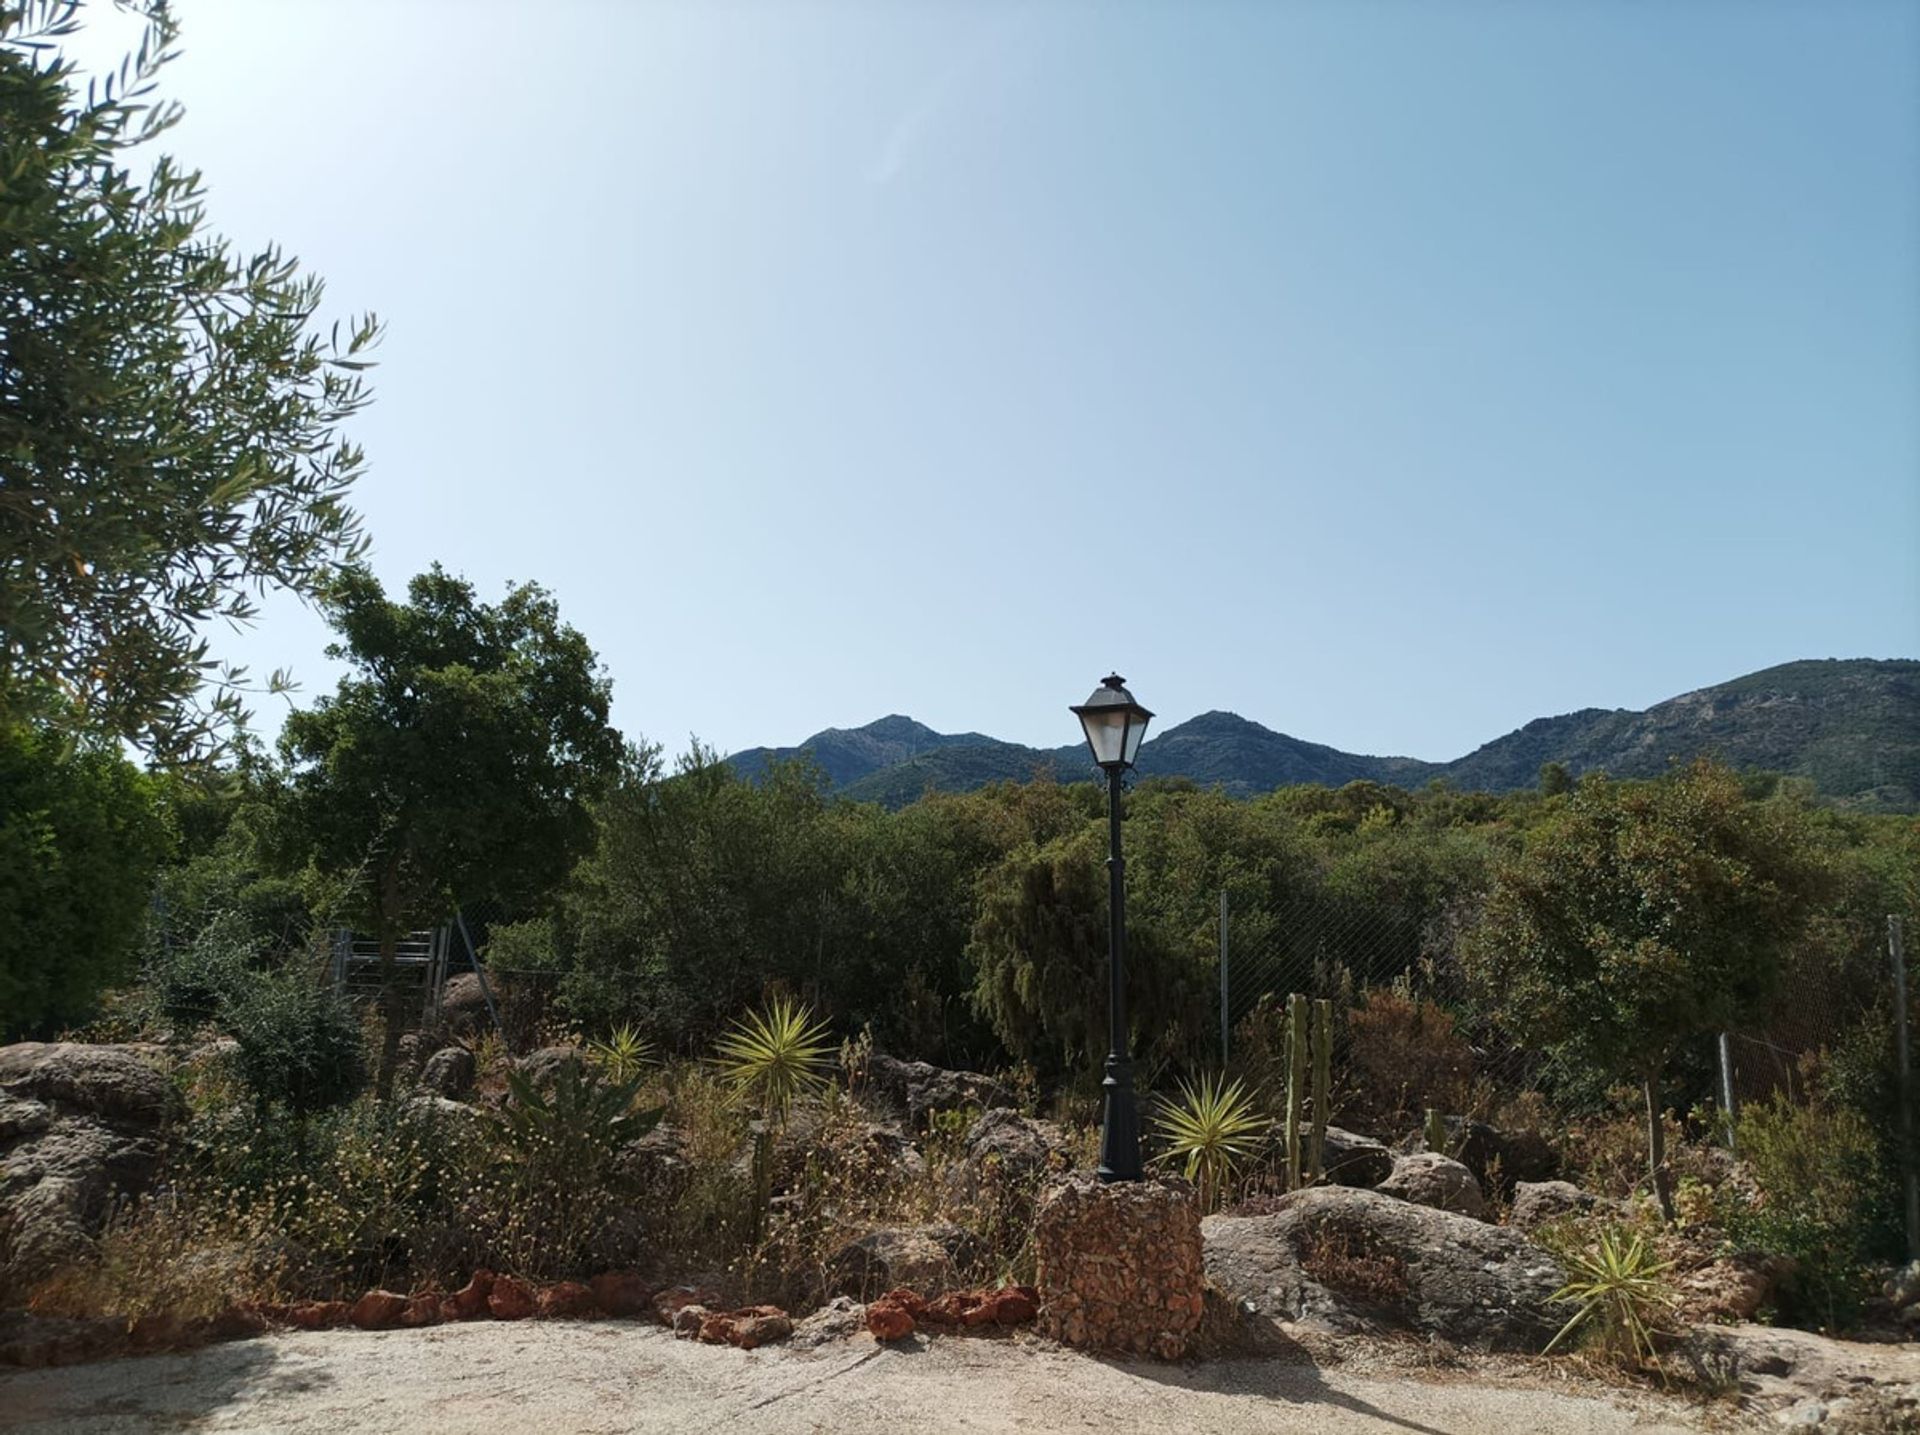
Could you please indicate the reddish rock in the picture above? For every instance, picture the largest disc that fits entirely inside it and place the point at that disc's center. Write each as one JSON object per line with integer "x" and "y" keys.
{"x": 889, "y": 1318}
{"x": 378, "y": 1310}
{"x": 688, "y": 1320}
{"x": 158, "y": 1331}
{"x": 669, "y": 1302}
{"x": 1015, "y": 1305}
{"x": 510, "y": 1299}
{"x": 470, "y": 1301}
{"x": 423, "y": 1309}
{"x": 912, "y": 1302}
{"x": 564, "y": 1300}
{"x": 238, "y": 1321}
{"x": 759, "y": 1325}
{"x": 953, "y": 1308}
{"x": 622, "y": 1293}
{"x": 317, "y": 1314}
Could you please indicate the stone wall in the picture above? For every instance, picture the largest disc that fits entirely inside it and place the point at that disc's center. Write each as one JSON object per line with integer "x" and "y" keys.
{"x": 1120, "y": 1265}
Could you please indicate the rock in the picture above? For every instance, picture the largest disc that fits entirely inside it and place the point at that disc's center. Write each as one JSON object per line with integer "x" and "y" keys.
{"x": 470, "y": 1301}
{"x": 83, "y": 1128}
{"x": 839, "y": 1319}
{"x": 671, "y": 1301}
{"x": 623, "y": 1294}
{"x": 1119, "y": 1266}
{"x": 1732, "y": 1288}
{"x": 1537, "y": 1202}
{"x": 922, "y": 1257}
{"x": 565, "y": 1300}
{"x": 1498, "y": 1159}
{"x": 658, "y": 1162}
{"x": 1429, "y": 1179}
{"x": 448, "y": 1072}
{"x": 892, "y": 1316}
{"x": 754, "y": 1326}
{"x": 1355, "y": 1261}
{"x": 159, "y": 1330}
{"x": 543, "y": 1067}
{"x": 919, "y": 1088}
{"x": 509, "y": 1299}
{"x": 422, "y": 1310}
{"x": 1350, "y": 1160}
{"x": 1786, "y": 1373}
{"x": 1010, "y": 1305}
{"x": 1902, "y": 1288}
{"x": 463, "y": 1005}
{"x": 36, "y": 1341}
{"x": 1017, "y": 1145}
{"x": 318, "y": 1314}
{"x": 689, "y": 1319}
{"x": 378, "y": 1310}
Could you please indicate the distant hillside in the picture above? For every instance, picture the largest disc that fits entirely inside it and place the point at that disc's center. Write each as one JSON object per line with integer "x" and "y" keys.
{"x": 1851, "y": 726}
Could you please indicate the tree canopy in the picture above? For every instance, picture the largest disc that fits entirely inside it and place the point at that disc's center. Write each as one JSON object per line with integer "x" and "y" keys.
{"x": 170, "y": 410}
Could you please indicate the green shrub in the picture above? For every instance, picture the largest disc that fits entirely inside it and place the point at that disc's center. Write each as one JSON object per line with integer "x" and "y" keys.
{"x": 191, "y": 984}
{"x": 299, "y": 1046}
{"x": 81, "y": 835}
{"x": 1817, "y": 1167}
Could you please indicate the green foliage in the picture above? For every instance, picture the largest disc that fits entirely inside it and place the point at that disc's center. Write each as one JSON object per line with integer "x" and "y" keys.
{"x": 192, "y": 983}
{"x": 1620, "y": 1296}
{"x": 299, "y": 1046}
{"x": 455, "y": 762}
{"x": 624, "y": 1055}
{"x": 575, "y": 1129}
{"x": 81, "y": 835}
{"x": 1817, "y": 1167}
{"x": 1212, "y": 1130}
{"x": 776, "y": 1055}
{"x": 170, "y": 437}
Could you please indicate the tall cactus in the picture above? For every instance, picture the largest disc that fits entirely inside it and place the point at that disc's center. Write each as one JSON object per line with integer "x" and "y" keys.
{"x": 1322, "y": 1084}
{"x": 1296, "y": 1082}
{"x": 1436, "y": 1132}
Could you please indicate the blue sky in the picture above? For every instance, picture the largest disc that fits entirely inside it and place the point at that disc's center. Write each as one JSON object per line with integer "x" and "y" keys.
{"x": 1388, "y": 373}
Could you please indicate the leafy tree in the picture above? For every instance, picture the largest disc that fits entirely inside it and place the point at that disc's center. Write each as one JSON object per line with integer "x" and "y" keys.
{"x": 1643, "y": 917}
{"x": 455, "y": 762}
{"x": 81, "y": 835}
{"x": 169, "y": 413}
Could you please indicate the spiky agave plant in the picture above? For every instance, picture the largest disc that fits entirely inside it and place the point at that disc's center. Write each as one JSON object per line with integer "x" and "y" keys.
{"x": 775, "y": 1055}
{"x": 624, "y": 1055}
{"x": 1212, "y": 1129}
{"x": 1620, "y": 1294}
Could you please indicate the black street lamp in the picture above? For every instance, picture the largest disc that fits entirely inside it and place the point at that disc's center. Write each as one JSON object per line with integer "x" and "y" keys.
{"x": 1115, "y": 724}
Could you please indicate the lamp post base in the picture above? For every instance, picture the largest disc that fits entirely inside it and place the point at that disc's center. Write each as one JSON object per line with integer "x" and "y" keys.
{"x": 1119, "y": 1124}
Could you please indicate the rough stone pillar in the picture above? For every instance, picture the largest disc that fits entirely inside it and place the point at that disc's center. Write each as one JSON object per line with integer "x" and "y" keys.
{"x": 1120, "y": 1265}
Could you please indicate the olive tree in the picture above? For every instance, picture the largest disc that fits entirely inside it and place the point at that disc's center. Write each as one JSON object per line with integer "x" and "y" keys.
{"x": 1643, "y": 916}
{"x": 170, "y": 410}
{"x": 455, "y": 761}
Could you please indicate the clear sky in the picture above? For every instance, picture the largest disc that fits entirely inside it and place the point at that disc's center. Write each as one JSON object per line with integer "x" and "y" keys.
{"x": 1389, "y": 373}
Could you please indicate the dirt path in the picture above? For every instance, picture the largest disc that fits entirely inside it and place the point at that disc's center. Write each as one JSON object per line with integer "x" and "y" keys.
{"x": 560, "y": 1376}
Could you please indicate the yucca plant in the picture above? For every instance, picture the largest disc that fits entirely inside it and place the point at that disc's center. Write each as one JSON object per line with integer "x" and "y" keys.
{"x": 575, "y": 1127}
{"x": 1620, "y": 1294}
{"x": 775, "y": 1055}
{"x": 1212, "y": 1130}
{"x": 624, "y": 1055}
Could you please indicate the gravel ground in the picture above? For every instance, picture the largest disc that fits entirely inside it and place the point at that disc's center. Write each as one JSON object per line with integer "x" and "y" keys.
{"x": 506, "y": 1379}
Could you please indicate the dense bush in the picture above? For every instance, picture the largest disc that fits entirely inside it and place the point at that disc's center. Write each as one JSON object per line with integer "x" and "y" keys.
{"x": 82, "y": 833}
{"x": 299, "y": 1047}
{"x": 1817, "y": 1167}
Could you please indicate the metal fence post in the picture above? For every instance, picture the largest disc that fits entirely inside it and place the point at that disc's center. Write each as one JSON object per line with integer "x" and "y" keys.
{"x": 1729, "y": 1103}
{"x": 1903, "y": 1078}
{"x": 1224, "y": 1049}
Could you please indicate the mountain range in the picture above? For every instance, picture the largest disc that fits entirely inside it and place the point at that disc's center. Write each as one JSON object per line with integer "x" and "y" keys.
{"x": 1849, "y": 725}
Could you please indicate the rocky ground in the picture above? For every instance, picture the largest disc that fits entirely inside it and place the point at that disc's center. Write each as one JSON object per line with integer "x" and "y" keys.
{"x": 569, "y": 1376}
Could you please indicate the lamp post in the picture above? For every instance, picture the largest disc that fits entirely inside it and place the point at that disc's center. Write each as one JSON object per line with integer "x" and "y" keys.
{"x": 1115, "y": 724}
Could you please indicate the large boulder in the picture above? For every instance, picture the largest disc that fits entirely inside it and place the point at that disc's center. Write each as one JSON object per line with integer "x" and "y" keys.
{"x": 81, "y": 1128}
{"x": 1536, "y": 1203}
{"x": 1429, "y": 1179}
{"x": 1350, "y": 1160}
{"x": 543, "y": 1067}
{"x": 1018, "y": 1144}
{"x": 1352, "y": 1261}
{"x": 921, "y": 1258}
{"x": 1498, "y": 1159}
{"x": 918, "y": 1088}
{"x": 448, "y": 1072}
{"x": 463, "y": 1005}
